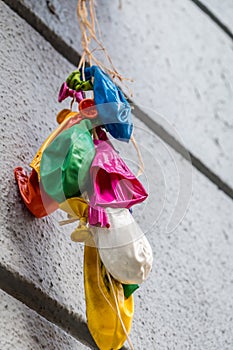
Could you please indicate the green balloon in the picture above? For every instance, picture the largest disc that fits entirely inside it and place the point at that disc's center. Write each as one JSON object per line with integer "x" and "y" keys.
{"x": 65, "y": 163}
{"x": 75, "y": 83}
{"x": 129, "y": 289}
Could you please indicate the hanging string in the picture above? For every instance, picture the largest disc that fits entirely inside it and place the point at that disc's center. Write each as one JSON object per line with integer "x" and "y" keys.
{"x": 141, "y": 164}
{"x": 118, "y": 311}
{"x": 88, "y": 23}
{"x": 71, "y": 104}
{"x": 95, "y": 135}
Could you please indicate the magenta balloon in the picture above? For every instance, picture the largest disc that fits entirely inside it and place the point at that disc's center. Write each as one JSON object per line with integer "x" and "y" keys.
{"x": 65, "y": 92}
{"x": 98, "y": 216}
{"x": 114, "y": 185}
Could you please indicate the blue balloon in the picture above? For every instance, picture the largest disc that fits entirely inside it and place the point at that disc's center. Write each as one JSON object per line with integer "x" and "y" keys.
{"x": 113, "y": 108}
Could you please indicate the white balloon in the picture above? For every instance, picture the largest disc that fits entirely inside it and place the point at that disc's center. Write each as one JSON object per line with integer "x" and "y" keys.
{"x": 123, "y": 248}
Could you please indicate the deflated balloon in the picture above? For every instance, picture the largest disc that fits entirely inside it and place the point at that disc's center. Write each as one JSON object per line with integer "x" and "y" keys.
{"x": 123, "y": 248}
{"x": 102, "y": 301}
{"x": 75, "y": 82}
{"x": 113, "y": 108}
{"x": 114, "y": 185}
{"x": 65, "y": 163}
{"x": 33, "y": 194}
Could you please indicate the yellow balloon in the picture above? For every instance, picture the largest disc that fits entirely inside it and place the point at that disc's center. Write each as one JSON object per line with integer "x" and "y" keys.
{"x": 76, "y": 207}
{"x": 102, "y": 318}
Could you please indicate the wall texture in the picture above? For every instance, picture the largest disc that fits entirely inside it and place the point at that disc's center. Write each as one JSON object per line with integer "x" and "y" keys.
{"x": 183, "y": 62}
{"x": 184, "y": 83}
{"x": 222, "y": 10}
{"x": 23, "y": 329}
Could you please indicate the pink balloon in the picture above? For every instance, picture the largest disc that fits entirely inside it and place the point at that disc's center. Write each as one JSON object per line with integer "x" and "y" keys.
{"x": 114, "y": 185}
{"x": 65, "y": 92}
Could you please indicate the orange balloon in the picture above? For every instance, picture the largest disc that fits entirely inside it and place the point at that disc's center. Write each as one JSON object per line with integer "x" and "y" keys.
{"x": 33, "y": 194}
{"x": 87, "y": 108}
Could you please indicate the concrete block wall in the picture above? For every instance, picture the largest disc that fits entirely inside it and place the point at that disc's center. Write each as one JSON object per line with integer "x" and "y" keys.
{"x": 223, "y": 10}
{"x": 24, "y": 329}
{"x": 181, "y": 63}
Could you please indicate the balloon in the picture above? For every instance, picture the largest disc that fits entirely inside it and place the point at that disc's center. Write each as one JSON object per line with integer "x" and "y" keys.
{"x": 65, "y": 163}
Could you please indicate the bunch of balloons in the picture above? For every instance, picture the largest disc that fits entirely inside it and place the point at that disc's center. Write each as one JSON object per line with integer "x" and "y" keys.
{"x": 78, "y": 170}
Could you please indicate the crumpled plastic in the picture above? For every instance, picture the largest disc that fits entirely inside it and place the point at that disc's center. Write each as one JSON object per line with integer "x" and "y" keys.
{"x": 97, "y": 216}
{"x": 114, "y": 185}
{"x": 113, "y": 108}
{"x": 102, "y": 320}
{"x": 77, "y": 208}
{"x": 75, "y": 82}
{"x": 33, "y": 194}
{"x": 129, "y": 289}
{"x": 65, "y": 163}
{"x": 66, "y": 118}
{"x": 123, "y": 248}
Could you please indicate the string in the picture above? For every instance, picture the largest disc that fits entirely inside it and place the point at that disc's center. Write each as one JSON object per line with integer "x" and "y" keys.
{"x": 118, "y": 311}
{"x": 71, "y": 104}
{"x": 68, "y": 221}
{"x": 141, "y": 164}
{"x": 88, "y": 22}
{"x": 95, "y": 134}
